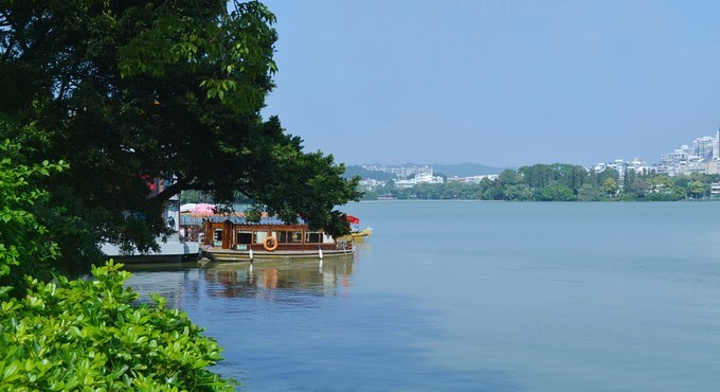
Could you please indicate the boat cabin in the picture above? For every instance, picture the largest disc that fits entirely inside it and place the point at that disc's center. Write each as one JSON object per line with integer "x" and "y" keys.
{"x": 269, "y": 234}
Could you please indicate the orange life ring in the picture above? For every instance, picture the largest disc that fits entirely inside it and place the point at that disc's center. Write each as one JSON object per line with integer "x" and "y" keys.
{"x": 270, "y": 244}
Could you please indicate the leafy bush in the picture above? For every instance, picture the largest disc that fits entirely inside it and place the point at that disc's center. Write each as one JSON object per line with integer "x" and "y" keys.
{"x": 59, "y": 334}
{"x": 22, "y": 248}
{"x": 92, "y": 335}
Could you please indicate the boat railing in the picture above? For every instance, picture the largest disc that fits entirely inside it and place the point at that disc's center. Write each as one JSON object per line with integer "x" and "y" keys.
{"x": 346, "y": 244}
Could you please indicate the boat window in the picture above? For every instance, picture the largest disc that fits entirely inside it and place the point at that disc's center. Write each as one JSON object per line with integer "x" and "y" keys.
{"x": 313, "y": 237}
{"x": 218, "y": 237}
{"x": 295, "y": 237}
{"x": 259, "y": 236}
{"x": 244, "y": 237}
{"x": 281, "y": 237}
{"x": 328, "y": 239}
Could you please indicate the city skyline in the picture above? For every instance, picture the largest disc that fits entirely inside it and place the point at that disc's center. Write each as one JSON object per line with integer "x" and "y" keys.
{"x": 502, "y": 83}
{"x": 705, "y": 148}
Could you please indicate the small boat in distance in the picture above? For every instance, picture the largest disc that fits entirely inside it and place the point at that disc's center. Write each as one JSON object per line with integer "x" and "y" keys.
{"x": 234, "y": 238}
{"x": 356, "y": 234}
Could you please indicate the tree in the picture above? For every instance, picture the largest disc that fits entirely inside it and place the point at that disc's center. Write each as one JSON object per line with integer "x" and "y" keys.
{"x": 23, "y": 247}
{"x": 608, "y": 173}
{"x": 90, "y": 334}
{"x": 518, "y": 192}
{"x": 590, "y": 191}
{"x": 662, "y": 187}
{"x": 697, "y": 189}
{"x": 508, "y": 177}
{"x": 493, "y": 190}
{"x": 132, "y": 91}
{"x": 537, "y": 176}
{"x": 557, "y": 192}
{"x": 66, "y": 334}
{"x": 610, "y": 186}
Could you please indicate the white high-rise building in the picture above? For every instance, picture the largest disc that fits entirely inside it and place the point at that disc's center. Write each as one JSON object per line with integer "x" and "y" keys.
{"x": 705, "y": 147}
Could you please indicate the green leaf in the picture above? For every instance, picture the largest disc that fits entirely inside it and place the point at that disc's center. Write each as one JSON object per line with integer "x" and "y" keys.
{"x": 10, "y": 371}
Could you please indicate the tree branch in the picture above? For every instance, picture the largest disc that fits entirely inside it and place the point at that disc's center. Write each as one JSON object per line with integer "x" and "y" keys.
{"x": 172, "y": 190}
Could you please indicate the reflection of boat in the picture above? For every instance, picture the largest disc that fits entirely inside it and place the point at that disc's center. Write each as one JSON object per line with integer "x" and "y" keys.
{"x": 356, "y": 234}
{"x": 234, "y": 238}
{"x": 230, "y": 279}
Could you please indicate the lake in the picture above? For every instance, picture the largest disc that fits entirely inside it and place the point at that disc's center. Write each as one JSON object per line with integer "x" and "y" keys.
{"x": 476, "y": 296}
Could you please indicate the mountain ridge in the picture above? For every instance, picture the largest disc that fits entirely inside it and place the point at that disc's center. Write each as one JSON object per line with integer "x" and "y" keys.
{"x": 465, "y": 169}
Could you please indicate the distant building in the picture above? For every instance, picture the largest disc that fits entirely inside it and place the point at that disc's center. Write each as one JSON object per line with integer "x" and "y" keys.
{"x": 399, "y": 171}
{"x": 702, "y": 157}
{"x": 680, "y": 155}
{"x": 473, "y": 179}
{"x": 426, "y": 177}
{"x": 371, "y": 184}
{"x": 707, "y": 147}
{"x": 715, "y": 189}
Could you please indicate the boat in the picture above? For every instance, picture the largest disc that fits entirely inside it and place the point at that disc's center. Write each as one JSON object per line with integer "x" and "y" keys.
{"x": 235, "y": 238}
{"x": 360, "y": 235}
{"x": 173, "y": 248}
{"x": 386, "y": 196}
{"x": 356, "y": 234}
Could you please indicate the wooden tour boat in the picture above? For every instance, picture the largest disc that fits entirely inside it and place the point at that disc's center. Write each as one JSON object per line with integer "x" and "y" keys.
{"x": 234, "y": 238}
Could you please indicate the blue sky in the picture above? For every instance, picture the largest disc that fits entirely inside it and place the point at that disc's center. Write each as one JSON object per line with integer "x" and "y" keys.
{"x": 498, "y": 82}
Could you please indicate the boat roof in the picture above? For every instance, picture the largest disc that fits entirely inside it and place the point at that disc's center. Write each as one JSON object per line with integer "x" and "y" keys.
{"x": 241, "y": 220}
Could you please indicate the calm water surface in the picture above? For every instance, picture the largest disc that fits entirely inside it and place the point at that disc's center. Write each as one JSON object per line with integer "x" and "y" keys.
{"x": 477, "y": 296}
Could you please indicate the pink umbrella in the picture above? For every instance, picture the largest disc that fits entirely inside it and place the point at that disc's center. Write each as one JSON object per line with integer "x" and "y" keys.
{"x": 203, "y": 209}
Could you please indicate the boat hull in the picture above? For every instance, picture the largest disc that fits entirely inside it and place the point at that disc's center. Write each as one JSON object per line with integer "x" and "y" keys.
{"x": 218, "y": 254}
{"x": 171, "y": 251}
{"x": 357, "y": 236}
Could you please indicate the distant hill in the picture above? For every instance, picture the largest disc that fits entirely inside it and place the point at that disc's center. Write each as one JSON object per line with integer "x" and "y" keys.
{"x": 460, "y": 170}
{"x": 354, "y": 170}
{"x": 466, "y": 169}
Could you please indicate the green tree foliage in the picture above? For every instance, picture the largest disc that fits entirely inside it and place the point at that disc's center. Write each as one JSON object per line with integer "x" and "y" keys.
{"x": 589, "y": 192}
{"x": 24, "y": 248}
{"x": 610, "y": 187}
{"x": 634, "y": 187}
{"x": 508, "y": 177}
{"x": 697, "y": 189}
{"x": 83, "y": 334}
{"x": 563, "y": 182}
{"x": 91, "y": 335}
{"x": 132, "y": 91}
{"x": 557, "y": 192}
{"x": 663, "y": 188}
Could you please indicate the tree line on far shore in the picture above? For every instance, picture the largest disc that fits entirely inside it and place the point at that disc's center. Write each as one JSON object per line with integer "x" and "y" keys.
{"x": 562, "y": 182}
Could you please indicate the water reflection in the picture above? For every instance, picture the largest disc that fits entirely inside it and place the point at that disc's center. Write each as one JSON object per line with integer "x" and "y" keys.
{"x": 528, "y": 298}
{"x": 243, "y": 280}
{"x": 175, "y": 284}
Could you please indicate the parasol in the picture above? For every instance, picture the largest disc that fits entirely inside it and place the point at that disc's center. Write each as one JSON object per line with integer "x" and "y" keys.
{"x": 203, "y": 209}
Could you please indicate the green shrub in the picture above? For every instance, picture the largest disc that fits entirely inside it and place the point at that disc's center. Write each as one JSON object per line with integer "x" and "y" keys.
{"x": 93, "y": 335}
{"x": 23, "y": 247}
{"x": 86, "y": 335}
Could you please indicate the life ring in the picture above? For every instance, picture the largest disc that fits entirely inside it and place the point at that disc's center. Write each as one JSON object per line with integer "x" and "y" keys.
{"x": 270, "y": 244}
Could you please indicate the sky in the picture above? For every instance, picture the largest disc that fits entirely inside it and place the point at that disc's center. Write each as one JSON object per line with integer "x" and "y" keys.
{"x": 496, "y": 82}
